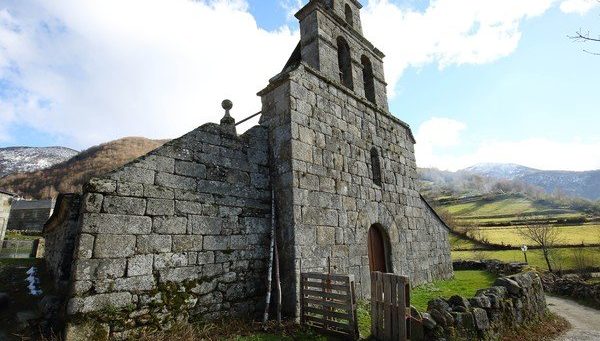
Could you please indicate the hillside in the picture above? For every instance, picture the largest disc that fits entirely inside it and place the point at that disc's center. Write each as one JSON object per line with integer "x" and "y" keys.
{"x": 29, "y": 159}
{"x": 71, "y": 174}
{"x": 575, "y": 184}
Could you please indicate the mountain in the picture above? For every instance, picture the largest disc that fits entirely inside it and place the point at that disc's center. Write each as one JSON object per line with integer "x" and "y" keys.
{"x": 507, "y": 171}
{"x": 575, "y": 184}
{"x": 70, "y": 175}
{"x": 29, "y": 159}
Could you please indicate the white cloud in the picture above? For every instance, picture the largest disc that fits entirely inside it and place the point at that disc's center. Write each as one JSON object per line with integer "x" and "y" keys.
{"x": 448, "y": 32}
{"x": 578, "y": 6}
{"x": 91, "y": 71}
{"x": 541, "y": 153}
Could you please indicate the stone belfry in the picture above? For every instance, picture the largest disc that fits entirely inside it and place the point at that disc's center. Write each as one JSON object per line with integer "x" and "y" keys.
{"x": 331, "y": 41}
{"x": 342, "y": 167}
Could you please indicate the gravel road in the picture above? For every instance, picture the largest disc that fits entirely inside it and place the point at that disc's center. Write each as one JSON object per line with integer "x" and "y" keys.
{"x": 585, "y": 321}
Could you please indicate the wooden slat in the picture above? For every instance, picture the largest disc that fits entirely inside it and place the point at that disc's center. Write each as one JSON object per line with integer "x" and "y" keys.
{"x": 322, "y": 294}
{"x": 394, "y": 307}
{"x": 324, "y": 303}
{"x": 332, "y": 278}
{"x": 323, "y": 285}
{"x": 329, "y": 313}
{"x": 328, "y": 323}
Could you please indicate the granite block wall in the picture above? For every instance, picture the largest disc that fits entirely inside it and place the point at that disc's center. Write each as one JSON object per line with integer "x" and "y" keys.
{"x": 325, "y": 133}
{"x": 180, "y": 234}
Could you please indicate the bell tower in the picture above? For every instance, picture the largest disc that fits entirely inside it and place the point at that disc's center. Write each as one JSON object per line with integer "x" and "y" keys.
{"x": 332, "y": 42}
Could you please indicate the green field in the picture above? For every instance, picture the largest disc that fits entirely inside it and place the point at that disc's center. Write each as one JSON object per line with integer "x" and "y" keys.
{"x": 464, "y": 283}
{"x": 569, "y": 235}
{"x": 563, "y": 258}
{"x": 501, "y": 206}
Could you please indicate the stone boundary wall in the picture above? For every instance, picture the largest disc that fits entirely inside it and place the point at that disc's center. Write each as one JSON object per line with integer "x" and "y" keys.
{"x": 180, "y": 234}
{"x": 511, "y": 302}
{"x": 572, "y": 286}
{"x": 494, "y": 266}
{"x": 60, "y": 232}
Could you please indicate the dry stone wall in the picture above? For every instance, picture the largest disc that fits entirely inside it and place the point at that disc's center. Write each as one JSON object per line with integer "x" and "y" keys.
{"x": 179, "y": 234}
{"x": 513, "y": 301}
{"x": 327, "y": 161}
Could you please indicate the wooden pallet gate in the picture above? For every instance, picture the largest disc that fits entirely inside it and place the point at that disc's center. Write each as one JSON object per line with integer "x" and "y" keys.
{"x": 390, "y": 307}
{"x": 328, "y": 304}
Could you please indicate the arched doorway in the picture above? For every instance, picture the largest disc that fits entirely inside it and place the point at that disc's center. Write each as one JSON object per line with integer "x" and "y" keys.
{"x": 377, "y": 249}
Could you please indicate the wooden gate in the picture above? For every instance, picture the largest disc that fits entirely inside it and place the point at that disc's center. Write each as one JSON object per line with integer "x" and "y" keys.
{"x": 329, "y": 304}
{"x": 390, "y": 307}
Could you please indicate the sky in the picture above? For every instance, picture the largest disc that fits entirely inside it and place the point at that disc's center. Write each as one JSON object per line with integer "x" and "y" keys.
{"x": 477, "y": 80}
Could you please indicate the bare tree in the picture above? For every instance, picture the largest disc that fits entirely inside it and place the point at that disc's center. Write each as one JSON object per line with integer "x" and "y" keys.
{"x": 546, "y": 236}
{"x": 586, "y": 37}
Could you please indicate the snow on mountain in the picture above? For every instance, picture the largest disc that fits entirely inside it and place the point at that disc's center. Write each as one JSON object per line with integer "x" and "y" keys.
{"x": 29, "y": 159}
{"x": 577, "y": 184}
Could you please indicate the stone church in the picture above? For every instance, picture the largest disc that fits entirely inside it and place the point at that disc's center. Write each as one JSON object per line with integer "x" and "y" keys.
{"x": 183, "y": 232}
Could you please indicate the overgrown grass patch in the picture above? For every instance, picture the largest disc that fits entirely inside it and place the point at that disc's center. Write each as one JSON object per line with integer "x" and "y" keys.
{"x": 465, "y": 283}
{"x": 549, "y": 328}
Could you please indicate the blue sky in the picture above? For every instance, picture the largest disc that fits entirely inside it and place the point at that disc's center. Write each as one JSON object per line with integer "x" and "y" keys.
{"x": 479, "y": 81}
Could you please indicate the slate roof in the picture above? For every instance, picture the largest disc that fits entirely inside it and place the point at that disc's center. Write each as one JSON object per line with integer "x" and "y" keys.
{"x": 32, "y": 204}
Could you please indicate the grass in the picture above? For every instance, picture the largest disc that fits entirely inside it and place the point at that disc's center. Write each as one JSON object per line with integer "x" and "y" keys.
{"x": 465, "y": 283}
{"x": 549, "y": 328}
{"x": 459, "y": 243}
{"x": 569, "y": 235}
{"x": 497, "y": 206}
{"x": 16, "y": 235}
{"x": 563, "y": 258}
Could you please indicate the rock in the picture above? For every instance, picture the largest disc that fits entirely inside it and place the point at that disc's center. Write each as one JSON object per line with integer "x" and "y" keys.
{"x": 428, "y": 321}
{"x": 511, "y": 286}
{"x": 463, "y": 320}
{"x": 481, "y": 301}
{"x": 438, "y": 304}
{"x": 459, "y": 301}
{"x": 481, "y": 319}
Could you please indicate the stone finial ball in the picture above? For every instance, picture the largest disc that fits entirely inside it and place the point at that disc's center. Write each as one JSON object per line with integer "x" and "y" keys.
{"x": 227, "y": 104}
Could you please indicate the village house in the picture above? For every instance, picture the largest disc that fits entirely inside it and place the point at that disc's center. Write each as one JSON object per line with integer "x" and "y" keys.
{"x": 30, "y": 215}
{"x": 183, "y": 232}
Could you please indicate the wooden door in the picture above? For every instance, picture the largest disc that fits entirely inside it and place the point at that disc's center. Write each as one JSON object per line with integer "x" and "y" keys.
{"x": 377, "y": 261}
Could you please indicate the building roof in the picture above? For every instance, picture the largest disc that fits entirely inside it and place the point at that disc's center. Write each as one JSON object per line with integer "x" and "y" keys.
{"x": 32, "y": 204}
{"x": 2, "y": 191}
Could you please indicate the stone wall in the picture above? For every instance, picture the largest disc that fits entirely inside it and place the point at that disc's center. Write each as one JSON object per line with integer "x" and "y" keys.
{"x": 572, "y": 286}
{"x": 511, "y": 302}
{"x": 494, "y": 266}
{"x": 323, "y": 135}
{"x": 180, "y": 234}
{"x": 5, "y": 203}
{"x": 60, "y": 232}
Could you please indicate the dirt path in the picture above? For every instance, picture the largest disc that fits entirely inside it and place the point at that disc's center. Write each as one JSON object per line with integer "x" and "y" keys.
{"x": 585, "y": 321}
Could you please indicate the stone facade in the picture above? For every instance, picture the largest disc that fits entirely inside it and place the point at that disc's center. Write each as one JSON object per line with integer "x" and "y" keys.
{"x": 513, "y": 301}
{"x": 30, "y": 215}
{"x": 183, "y": 233}
{"x": 178, "y": 234}
{"x": 322, "y": 134}
{"x": 6, "y": 199}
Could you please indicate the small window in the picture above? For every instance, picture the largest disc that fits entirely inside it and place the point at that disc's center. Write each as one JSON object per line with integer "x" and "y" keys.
{"x": 345, "y": 63}
{"x": 349, "y": 16}
{"x": 375, "y": 167}
{"x": 368, "y": 79}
